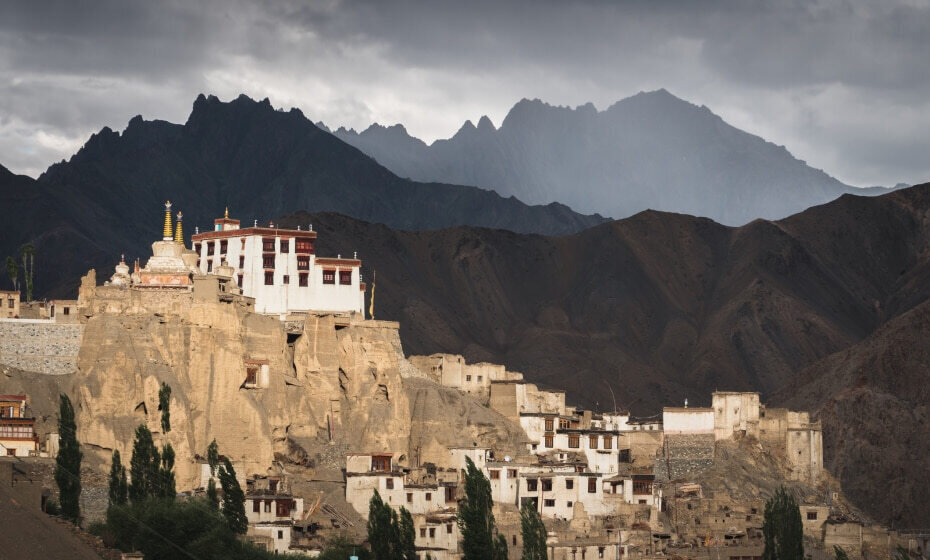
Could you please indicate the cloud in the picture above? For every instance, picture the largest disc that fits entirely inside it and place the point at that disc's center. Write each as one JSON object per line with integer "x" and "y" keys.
{"x": 843, "y": 84}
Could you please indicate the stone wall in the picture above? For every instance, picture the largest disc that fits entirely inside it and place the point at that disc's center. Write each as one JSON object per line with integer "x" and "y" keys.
{"x": 40, "y": 346}
{"x": 688, "y": 456}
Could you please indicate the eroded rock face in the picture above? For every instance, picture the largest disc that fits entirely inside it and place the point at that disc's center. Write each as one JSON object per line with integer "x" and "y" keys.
{"x": 345, "y": 383}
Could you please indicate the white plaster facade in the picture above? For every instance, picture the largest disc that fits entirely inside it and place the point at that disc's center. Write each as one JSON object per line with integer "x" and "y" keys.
{"x": 735, "y": 412}
{"x": 688, "y": 420}
{"x": 280, "y": 270}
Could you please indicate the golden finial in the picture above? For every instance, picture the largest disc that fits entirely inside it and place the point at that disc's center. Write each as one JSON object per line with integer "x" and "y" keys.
{"x": 166, "y": 234}
{"x": 179, "y": 231}
{"x": 226, "y": 215}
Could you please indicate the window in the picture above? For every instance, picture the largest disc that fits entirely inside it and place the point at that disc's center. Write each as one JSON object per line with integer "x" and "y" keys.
{"x": 569, "y": 504}
{"x": 303, "y": 263}
{"x": 600, "y": 552}
{"x": 409, "y": 497}
{"x": 574, "y": 441}
{"x": 241, "y": 261}
{"x": 608, "y": 442}
{"x": 548, "y": 424}
{"x": 285, "y": 245}
{"x": 224, "y": 244}
{"x": 283, "y": 508}
{"x": 256, "y": 506}
{"x": 548, "y": 439}
{"x": 514, "y": 540}
{"x": 302, "y": 279}
{"x": 547, "y": 484}
{"x": 592, "y": 441}
{"x": 210, "y": 245}
{"x": 303, "y": 246}
{"x": 468, "y": 378}
{"x": 345, "y": 277}
{"x": 251, "y": 374}
{"x": 531, "y": 484}
{"x": 642, "y": 487}
{"x": 267, "y": 261}
{"x": 242, "y": 243}
{"x": 569, "y": 483}
{"x": 280, "y": 535}
{"x": 812, "y": 516}
{"x": 563, "y": 423}
{"x": 423, "y": 532}
{"x": 429, "y": 496}
{"x": 495, "y": 474}
{"x": 381, "y": 463}
{"x": 548, "y": 503}
{"x": 66, "y": 311}
{"x": 642, "y": 502}
{"x": 432, "y": 532}
{"x": 239, "y": 280}
{"x": 592, "y": 485}
{"x": 286, "y": 279}
{"x": 448, "y": 528}
{"x": 269, "y": 277}
{"x": 511, "y": 473}
{"x": 450, "y": 494}
{"x": 267, "y": 506}
{"x": 389, "y": 483}
{"x": 480, "y": 378}
{"x": 209, "y": 266}
{"x": 624, "y": 455}
{"x": 329, "y": 276}
{"x": 197, "y": 248}
{"x": 268, "y": 244}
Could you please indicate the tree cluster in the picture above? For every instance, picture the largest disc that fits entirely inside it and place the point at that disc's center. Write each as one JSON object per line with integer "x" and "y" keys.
{"x": 782, "y": 528}
{"x": 390, "y": 535}
{"x": 480, "y": 540}
{"x": 533, "y": 533}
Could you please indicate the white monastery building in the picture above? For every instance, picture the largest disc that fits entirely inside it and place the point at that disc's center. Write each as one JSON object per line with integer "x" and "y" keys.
{"x": 279, "y": 268}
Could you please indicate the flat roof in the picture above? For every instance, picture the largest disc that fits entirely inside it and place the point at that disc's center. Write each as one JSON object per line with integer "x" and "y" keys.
{"x": 264, "y": 231}
{"x": 12, "y": 397}
{"x": 686, "y": 409}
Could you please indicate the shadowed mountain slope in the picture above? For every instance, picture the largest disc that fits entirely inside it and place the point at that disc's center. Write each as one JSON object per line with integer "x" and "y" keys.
{"x": 242, "y": 154}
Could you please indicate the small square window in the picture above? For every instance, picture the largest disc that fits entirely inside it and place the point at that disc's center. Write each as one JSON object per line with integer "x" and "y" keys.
{"x": 432, "y": 532}
{"x": 285, "y": 246}
{"x": 468, "y": 378}
{"x": 345, "y": 277}
{"x": 495, "y": 474}
{"x": 423, "y": 532}
{"x": 812, "y": 516}
{"x": 269, "y": 278}
{"x": 549, "y": 503}
{"x": 448, "y": 528}
{"x": 302, "y": 280}
{"x": 429, "y": 497}
{"x": 286, "y": 279}
{"x": 409, "y": 497}
{"x": 389, "y": 483}
{"x": 592, "y": 485}
{"x": 547, "y": 484}
{"x": 329, "y": 276}
{"x": 531, "y": 484}
{"x": 569, "y": 483}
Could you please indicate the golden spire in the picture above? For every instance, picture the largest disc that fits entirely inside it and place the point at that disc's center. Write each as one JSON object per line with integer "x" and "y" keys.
{"x": 166, "y": 234}
{"x": 371, "y": 306}
{"x": 226, "y": 215}
{"x": 179, "y": 231}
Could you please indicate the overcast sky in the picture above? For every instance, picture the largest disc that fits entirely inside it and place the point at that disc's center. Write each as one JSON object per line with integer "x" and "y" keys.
{"x": 844, "y": 85}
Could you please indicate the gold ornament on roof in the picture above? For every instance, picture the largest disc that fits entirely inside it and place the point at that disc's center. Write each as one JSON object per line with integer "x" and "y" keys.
{"x": 166, "y": 233}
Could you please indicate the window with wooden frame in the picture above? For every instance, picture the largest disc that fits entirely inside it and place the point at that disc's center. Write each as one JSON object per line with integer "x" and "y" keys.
{"x": 242, "y": 243}
{"x": 267, "y": 261}
{"x": 569, "y": 483}
{"x": 303, "y": 279}
{"x": 592, "y": 441}
{"x": 547, "y": 484}
{"x": 574, "y": 441}
{"x": 269, "y": 277}
{"x": 285, "y": 279}
{"x": 197, "y": 247}
{"x": 345, "y": 277}
{"x": 409, "y": 497}
{"x": 548, "y": 503}
{"x": 285, "y": 245}
{"x": 423, "y": 532}
{"x": 608, "y": 442}
{"x": 511, "y": 473}
{"x": 549, "y": 424}
{"x": 209, "y": 266}
{"x": 432, "y": 532}
{"x": 329, "y": 276}
{"x": 304, "y": 246}
{"x": 494, "y": 473}
{"x": 224, "y": 244}
{"x": 548, "y": 440}
{"x": 389, "y": 483}
{"x": 251, "y": 375}
{"x": 592, "y": 485}
{"x": 268, "y": 244}
{"x": 303, "y": 263}
{"x": 450, "y": 494}
{"x": 241, "y": 262}
{"x": 239, "y": 280}
{"x": 256, "y": 506}
{"x": 563, "y": 423}
{"x": 283, "y": 508}
{"x": 429, "y": 496}
{"x": 532, "y": 484}
{"x": 210, "y": 245}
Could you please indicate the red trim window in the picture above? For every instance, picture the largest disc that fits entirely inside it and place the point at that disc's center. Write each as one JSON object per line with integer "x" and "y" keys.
{"x": 268, "y": 244}
{"x": 268, "y": 261}
{"x": 269, "y": 277}
{"x": 210, "y": 245}
{"x": 592, "y": 485}
{"x": 345, "y": 277}
{"x": 197, "y": 248}
{"x": 285, "y": 245}
{"x": 241, "y": 261}
{"x": 329, "y": 276}
{"x": 242, "y": 240}
{"x": 209, "y": 266}
{"x": 239, "y": 280}
{"x": 303, "y": 246}
{"x": 287, "y": 279}
{"x": 303, "y": 263}
{"x": 303, "y": 279}
{"x": 224, "y": 244}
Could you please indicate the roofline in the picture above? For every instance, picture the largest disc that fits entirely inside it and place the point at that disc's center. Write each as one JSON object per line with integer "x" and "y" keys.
{"x": 278, "y": 232}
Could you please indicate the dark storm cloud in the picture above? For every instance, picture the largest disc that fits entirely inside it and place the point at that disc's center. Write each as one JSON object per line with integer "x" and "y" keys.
{"x": 843, "y": 84}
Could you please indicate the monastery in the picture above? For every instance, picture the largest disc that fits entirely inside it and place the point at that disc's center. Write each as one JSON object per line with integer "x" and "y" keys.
{"x": 269, "y": 352}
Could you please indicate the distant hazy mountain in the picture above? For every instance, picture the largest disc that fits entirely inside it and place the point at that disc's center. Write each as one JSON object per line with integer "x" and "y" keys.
{"x": 649, "y": 151}
{"x": 243, "y": 154}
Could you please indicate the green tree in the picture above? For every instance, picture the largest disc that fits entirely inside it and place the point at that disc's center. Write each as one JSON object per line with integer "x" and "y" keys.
{"x": 28, "y": 253}
{"x": 119, "y": 489}
{"x": 382, "y": 529}
{"x": 164, "y": 405}
{"x": 782, "y": 528}
{"x": 533, "y": 533}
{"x": 407, "y": 548}
{"x": 476, "y": 519}
{"x": 213, "y": 457}
{"x": 166, "y": 473}
{"x": 233, "y": 499}
{"x": 12, "y": 270}
{"x": 212, "y": 497}
{"x": 144, "y": 467}
{"x": 68, "y": 462}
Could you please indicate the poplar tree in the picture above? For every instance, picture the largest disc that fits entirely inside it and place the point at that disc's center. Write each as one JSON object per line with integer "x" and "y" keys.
{"x": 782, "y": 528}
{"x": 382, "y": 529}
{"x": 144, "y": 467}
{"x": 213, "y": 459}
{"x": 119, "y": 489}
{"x": 533, "y": 533}
{"x": 166, "y": 478}
{"x": 28, "y": 254}
{"x": 407, "y": 547}
{"x": 233, "y": 499}
{"x": 476, "y": 519}
{"x": 12, "y": 270}
{"x": 68, "y": 462}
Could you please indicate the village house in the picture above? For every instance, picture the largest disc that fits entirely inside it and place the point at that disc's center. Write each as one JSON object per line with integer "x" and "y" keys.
{"x": 272, "y": 513}
{"x": 17, "y": 430}
{"x": 9, "y": 304}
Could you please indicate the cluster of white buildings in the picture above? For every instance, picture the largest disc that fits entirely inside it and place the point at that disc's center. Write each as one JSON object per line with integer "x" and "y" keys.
{"x": 578, "y": 467}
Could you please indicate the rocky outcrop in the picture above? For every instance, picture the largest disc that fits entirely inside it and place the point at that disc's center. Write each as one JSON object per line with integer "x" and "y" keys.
{"x": 337, "y": 381}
